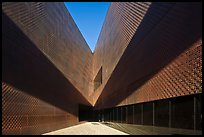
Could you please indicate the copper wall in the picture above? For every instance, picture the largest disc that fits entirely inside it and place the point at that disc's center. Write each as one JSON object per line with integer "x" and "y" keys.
{"x": 121, "y": 22}
{"x": 45, "y": 60}
{"x": 51, "y": 28}
{"x": 25, "y": 114}
{"x": 162, "y": 60}
{"x": 147, "y": 52}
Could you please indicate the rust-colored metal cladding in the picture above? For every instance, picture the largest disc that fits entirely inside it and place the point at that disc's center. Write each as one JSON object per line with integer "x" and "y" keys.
{"x": 162, "y": 60}
{"x": 25, "y": 114}
{"x": 52, "y": 30}
{"x": 146, "y": 68}
{"x": 44, "y": 60}
{"x": 122, "y": 20}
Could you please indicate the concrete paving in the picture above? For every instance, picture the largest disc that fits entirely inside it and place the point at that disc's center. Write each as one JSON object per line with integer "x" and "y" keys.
{"x": 88, "y": 128}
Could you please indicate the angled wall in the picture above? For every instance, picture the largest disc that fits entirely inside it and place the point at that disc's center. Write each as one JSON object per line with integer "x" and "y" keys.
{"x": 166, "y": 47}
{"x": 46, "y": 68}
{"x": 51, "y": 28}
{"x": 146, "y": 66}
{"x": 26, "y": 114}
{"x": 160, "y": 68}
{"x": 121, "y": 22}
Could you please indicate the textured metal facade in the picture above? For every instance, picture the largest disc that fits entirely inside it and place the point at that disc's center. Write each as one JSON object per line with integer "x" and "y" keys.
{"x": 162, "y": 60}
{"x": 122, "y": 20}
{"x": 51, "y": 28}
{"x": 25, "y": 114}
{"x": 44, "y": 57}
{"x": 148, "y": 52}
{"x": 183, "y": 76}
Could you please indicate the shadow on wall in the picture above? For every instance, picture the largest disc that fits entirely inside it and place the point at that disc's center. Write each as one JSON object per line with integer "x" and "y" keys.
{"x": 150, "y": 50}
{"x": 26, "y": 68}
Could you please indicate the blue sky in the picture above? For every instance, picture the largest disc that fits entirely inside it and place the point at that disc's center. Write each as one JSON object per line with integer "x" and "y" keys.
{"x": 89, "y": 17}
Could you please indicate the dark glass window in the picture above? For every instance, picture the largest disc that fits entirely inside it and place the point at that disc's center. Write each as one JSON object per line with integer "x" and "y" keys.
{"x": 98, "y": 79}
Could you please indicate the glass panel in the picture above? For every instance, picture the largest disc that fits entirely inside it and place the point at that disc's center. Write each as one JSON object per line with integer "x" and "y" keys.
{"x": 182, "y": 112}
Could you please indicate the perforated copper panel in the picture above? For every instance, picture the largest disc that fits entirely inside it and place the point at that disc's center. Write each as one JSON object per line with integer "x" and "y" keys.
{"x": 162, "y": 59}
{"x": 183, "y": 76}
{"x": 122, "y": 20}
{"x": 148, "y": 51}
{"x": 25, "y": 114}
{"x": 53, "y": 31}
